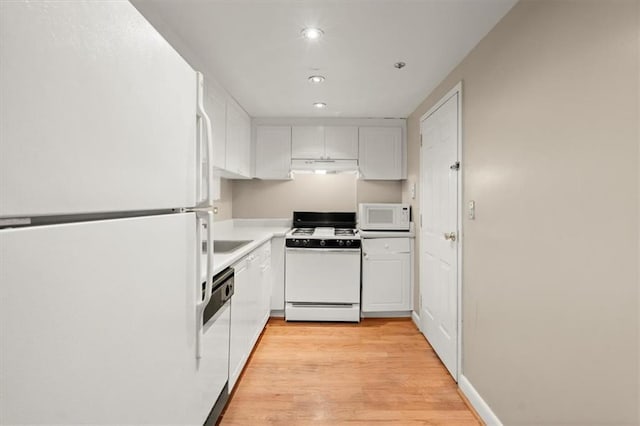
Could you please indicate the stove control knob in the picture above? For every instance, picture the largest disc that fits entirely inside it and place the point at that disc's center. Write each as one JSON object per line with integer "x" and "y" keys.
{"x": 305, "y": 242}
{"x": 323, "y": 243}
{"x": 340, "y": 243}
{"x": 348, "y": 243}
{"x": 296, "y": 242}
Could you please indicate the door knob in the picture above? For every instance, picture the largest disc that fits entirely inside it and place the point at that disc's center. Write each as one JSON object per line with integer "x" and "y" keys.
{"x": 450, "y": 236}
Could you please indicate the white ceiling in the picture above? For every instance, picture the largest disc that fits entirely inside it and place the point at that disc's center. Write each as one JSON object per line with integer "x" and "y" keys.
{"x": 255, "y": 49}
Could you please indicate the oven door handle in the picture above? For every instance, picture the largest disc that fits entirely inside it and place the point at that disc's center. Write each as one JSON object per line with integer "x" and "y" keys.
{"x": 324, "y": 250}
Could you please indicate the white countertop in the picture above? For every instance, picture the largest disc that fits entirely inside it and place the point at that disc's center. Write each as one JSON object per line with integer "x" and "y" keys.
{"x": 411, "y": 233}
{"x": 258, "y": 231}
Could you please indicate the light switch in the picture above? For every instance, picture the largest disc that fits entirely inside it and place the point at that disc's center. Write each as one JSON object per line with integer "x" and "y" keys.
{"x": 471, "y": 210}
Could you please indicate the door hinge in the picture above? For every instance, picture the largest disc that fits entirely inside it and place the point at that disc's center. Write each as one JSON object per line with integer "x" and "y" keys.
{"x": 420, "y": 220}
{"x": 455, "y": 166}
{"x": 420, "y": 140}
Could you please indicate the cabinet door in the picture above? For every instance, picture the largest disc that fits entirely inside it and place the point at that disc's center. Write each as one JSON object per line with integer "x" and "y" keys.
{"x": 277, "y": 271}
{"x": 341, "y": 142}
{"x": 215, "y": 104}
{"x": 307, "y": 142}
{"x": 254, "y": 313}
{"x": 238, "y": 140}
{"x": 380, "y": 152}
{"x": 273, "y": 152}
{"x": 386, "y": 282}
{"x": 266, "y": 277}
{"x": 245, "y": 145}
{"x": 239, "y": 339}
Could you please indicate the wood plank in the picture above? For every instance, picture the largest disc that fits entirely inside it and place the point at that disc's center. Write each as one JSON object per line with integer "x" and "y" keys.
{"x": 381, "y": 371}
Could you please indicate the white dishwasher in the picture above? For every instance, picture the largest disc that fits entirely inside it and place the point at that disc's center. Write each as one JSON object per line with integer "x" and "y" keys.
{"x": 386, "y": 275}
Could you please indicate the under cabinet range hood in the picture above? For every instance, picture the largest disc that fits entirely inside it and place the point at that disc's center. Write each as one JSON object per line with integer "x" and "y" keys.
{"x": 327, "y": 166}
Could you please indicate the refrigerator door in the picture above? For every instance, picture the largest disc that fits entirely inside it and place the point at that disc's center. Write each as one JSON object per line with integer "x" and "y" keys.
{"x": 97, "y": 113}
{"x": 98, "y": 322}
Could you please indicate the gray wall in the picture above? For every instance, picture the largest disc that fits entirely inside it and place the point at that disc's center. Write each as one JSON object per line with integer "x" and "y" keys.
{"x": 224, "y": 204}
{"x": 550, "y": 128}
{"x": 331, "y": 192}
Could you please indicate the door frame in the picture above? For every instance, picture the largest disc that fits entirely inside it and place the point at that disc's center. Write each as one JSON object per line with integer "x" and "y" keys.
{"x": 457, "y": 89}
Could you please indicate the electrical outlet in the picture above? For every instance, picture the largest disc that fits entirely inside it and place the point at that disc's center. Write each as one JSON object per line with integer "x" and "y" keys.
{"x": 413, "y": 191}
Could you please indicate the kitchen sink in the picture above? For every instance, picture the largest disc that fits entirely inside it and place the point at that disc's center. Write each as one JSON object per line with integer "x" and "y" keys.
{"x": 227, "y": 246}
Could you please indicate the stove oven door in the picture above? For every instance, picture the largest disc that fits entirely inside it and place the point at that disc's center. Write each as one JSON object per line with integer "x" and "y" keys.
{"x": 330, "y": 276}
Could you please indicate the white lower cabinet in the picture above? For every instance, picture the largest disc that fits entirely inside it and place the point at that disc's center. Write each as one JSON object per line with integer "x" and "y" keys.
{"x": 239, "y": 321}
{"x": 250, "y": 307}
{"x": 266, "y": 284}
{"x": 277, "y": 275}
{"x": 386, "y": 275}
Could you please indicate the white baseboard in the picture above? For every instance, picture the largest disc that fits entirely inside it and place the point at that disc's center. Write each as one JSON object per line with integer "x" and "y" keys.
{"x": 479, "y": 404}
{"x": 416, "y": 319}
{"x": 392, "y": 314}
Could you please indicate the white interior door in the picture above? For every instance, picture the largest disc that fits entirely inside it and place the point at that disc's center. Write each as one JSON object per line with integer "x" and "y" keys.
{"x": 97, "y": 113}
{"x": 440, "y": 234}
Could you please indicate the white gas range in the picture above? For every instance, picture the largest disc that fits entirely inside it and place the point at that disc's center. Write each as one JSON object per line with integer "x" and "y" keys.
{"x": 322, "y": 268}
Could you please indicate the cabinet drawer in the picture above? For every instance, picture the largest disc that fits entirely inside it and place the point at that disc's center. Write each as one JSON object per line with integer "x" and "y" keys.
{"x": 386, "y": 245}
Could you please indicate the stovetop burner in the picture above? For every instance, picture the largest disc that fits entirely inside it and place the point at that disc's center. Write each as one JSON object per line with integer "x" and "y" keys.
{"x": 314, "y": 230}
{"x": 322, "y": 231}
{"x": 344, "y": 232}
{"x": 303, "y": 231}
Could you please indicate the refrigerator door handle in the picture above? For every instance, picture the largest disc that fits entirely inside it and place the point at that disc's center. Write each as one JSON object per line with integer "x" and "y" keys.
{"x": 209, "y": 142}
{"x": 203, "y": 302}
{"x": 208, "y": 287}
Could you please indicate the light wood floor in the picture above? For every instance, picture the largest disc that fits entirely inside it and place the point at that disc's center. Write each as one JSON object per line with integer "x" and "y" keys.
{"x": 381, "y": 371}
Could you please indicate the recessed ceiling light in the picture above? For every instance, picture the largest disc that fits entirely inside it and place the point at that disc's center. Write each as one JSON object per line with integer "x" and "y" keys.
{"x": 312, "y": 33}
{"x": 399, "y": 65}
{"x": 320, "y": 105}
{"x": 316, "y": 79}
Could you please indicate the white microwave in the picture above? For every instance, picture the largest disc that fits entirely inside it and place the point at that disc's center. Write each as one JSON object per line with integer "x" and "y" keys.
{"x": 384, "y": 217}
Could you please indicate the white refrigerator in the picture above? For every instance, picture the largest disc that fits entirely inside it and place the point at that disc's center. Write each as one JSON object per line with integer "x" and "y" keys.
{"x": 105, "y": 221}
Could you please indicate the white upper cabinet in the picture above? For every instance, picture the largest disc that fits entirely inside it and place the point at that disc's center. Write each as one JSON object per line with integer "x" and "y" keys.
{"x": 273, "y": 152}
{"x": 307, "y": 142}
{"x": 238, "y": 142}
{"x": 381, "y": 153}
{"x": 374, "y": 147}
{"x": 231, "y": 134}
{"x": 324, "y": 142}
{"x": 215, "y": 104}
{"x": 341, "y": 142}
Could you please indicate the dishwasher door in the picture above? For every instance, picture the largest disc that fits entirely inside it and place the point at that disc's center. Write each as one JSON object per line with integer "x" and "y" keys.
{"x": 213, "y": 364}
